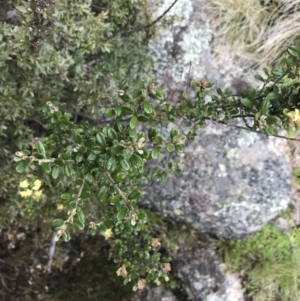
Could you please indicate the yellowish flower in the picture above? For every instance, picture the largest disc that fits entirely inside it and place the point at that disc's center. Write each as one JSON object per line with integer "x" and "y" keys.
{"x": 141, "y": 284}
{"x": 37, "y": 185}
{"x": 26, "y": 193}
{"x": 166, "y": 268}
{"x": 37, "y": 194}
{"x": 108, "y": 234}
{"x": 60, "y": 206}
{"x": 294, "y": 117}
{"x": 155, "y": 243}
{"x": 122, "y": 271}
{"x": 24, "y": 184}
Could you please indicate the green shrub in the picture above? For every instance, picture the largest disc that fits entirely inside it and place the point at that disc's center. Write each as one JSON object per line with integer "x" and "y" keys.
{"x": 62, "y": 66}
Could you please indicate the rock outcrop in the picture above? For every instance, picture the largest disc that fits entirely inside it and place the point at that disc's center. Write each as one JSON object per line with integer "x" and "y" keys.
{"x": 233, "y": 181}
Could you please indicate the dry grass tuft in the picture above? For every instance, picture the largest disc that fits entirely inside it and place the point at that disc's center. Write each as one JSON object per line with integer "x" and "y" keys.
{"x": 259, "y": 32}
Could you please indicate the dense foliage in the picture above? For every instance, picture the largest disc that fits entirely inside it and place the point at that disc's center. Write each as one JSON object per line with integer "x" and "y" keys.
{"x": 62, "y": 65}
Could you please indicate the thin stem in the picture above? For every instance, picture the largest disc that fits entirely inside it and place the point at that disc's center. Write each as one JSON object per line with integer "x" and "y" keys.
{"x": 247, "y": 129}
{"x": 121, "y": 193}
{"x": 122, "y": 32}
{"x": 72, "y": 213}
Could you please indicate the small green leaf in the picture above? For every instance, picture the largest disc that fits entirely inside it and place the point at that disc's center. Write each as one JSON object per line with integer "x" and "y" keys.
{"x": 219, "y": 91}
{"x": 147, "y": 107}
{"x": 103, "y": 193}
{"x": 120, "y": 176}
{"x": 78, "y": 224}
{"x": 55, "y": 172}
{"x": 92, "y": 231}
{"x": 92, "y": 157}
{"x": 40, "y": 148}
{"x": 125, "y": 97}
{"x": 68, "y": 169}
{"x": 152, "y": 132}
{"x": 135, "y": 194}
{"x": 270, "y": 131}
{"x": 21, "y": 166}
{"x": 101, "y": 139}
{"x": 66, "y": 196}
{"x": 85, "y": 194}
{"x": 157, "y": 94}
{"x": 77, "y": 139}
{"x": 133, "y": 122}
{"x": 111, "y": 133}
{"x": 278, "y": 72}
{"x": 111, "y": 163}
{"x": 46, "y": 167}
{"x": 80, "y": 216}
{"x": 126, "y": 111}
{"x": 136, "y": 161}
{"x": 57, "y": 223}
{"x": 132, "y": 133}
{"x": 124, "y": 85}
{"x": 259, "y": 77}
{"x": 115, "y": 199}
{"x": 127, "y": 153}
{"x": 22, "y": 9}
{"x": 265, "y": 105}
{"x": 142, "y": 215}
{"x": 117, "y": 149}
{"x": 179, "y": 149}
{"x": 170, "y": 147}
{"x": 273, "y": 120}
{"x": 119, "y": 126}
{"x": 66, "y": 155}
{"x": 79, "y": 158}
{"x": 174, "y": 133}
{"x": 143, "y": 118}
{"x": 247, "y": 103}
{"x": 59, "y": 162}
{"x": 66, "y": 236}
{"x": 121, "y": 214}
{"x": 58, "y": 24}
{"x": 124, "y": 164}
{"x": 110, "y": 113}
{"x": 158, "y": 139}
{"x": 294, "y": 51}
{"x": 155, "y": 152}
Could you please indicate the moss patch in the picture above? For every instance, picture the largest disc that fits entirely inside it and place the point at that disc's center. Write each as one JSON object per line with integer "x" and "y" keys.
{"x": 268, "y": 262}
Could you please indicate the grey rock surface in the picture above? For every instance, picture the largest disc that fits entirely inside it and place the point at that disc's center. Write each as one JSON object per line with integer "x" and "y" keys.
{"x": 185, "y": 49}
{"x": 154, "y": 294}
{"x": 232, "y": 183}
{"x": 204, "y": 277}
{"x": 178, "y": 48}
{"x": 198, "y": 271}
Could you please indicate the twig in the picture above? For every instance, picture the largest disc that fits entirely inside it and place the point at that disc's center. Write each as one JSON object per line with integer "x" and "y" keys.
{"x": 51, "y": 251}
{"x": 39, "y": 122}
{"x": 98, "y": 7}
{"x": 246, "y": 123}
{"x": 71, "y": 213}
{"x": 122, "y": 32}
{"x": 121, "y": 193}
{"x": 247, "y": 129}
{"x": 189, "y": 79}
